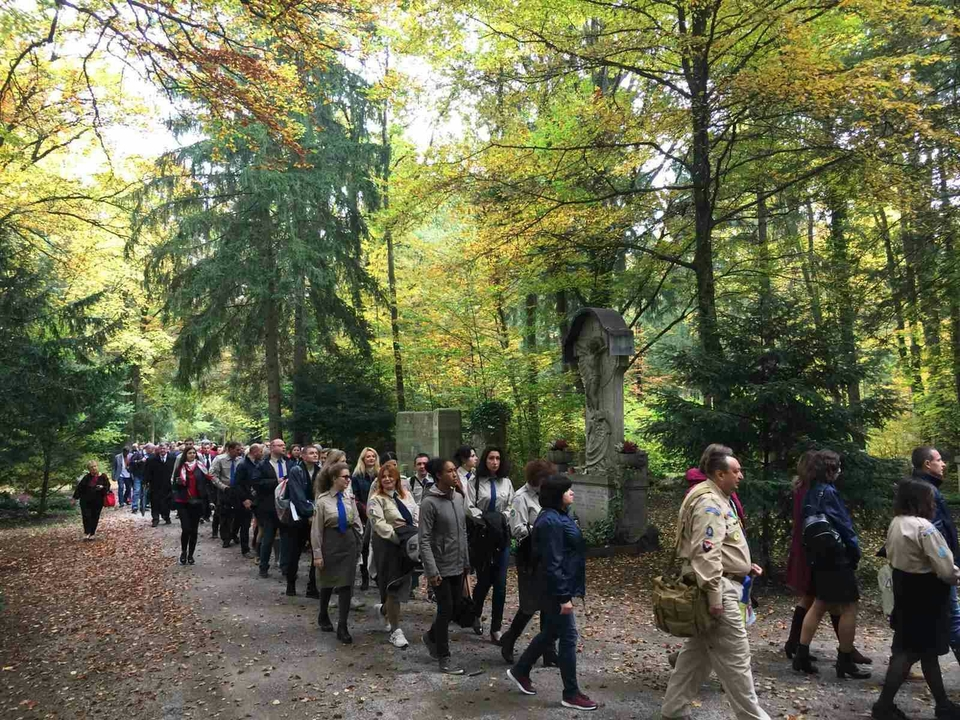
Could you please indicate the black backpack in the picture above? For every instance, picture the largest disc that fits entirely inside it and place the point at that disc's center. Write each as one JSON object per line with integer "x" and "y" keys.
{"x": 821, "y": 541}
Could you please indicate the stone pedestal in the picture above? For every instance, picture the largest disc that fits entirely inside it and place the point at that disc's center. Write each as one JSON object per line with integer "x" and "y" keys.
{"x": 636, "y": 481}
{"x": 438, "y": 433}
{"x": 592, "y": 497}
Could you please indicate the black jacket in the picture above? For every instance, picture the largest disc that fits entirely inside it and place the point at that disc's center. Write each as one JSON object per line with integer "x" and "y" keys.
{"x": 267, "y": 483}
{"x": 91, "y": 490}
{"x": 248, "y": 475}
{"x": 158, "y": 473}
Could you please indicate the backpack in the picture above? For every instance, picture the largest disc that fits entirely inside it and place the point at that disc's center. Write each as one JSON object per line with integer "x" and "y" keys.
{"x": 821, "y": 541}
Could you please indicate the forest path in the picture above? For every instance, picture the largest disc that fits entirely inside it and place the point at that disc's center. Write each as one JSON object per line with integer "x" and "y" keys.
{"x": 115, "y": 628}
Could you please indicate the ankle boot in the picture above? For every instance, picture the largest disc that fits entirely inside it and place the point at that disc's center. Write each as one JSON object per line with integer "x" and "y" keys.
{"x": 343, "y": 635}
{"x": 847, "y": 668}
{"x": 859, "y": 658}
{"x": 802, "y": 661}
{"x": 291, "y": 588}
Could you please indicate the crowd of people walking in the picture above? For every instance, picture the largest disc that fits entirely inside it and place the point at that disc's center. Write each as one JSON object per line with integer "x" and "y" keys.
{"x": 464, "y": 517}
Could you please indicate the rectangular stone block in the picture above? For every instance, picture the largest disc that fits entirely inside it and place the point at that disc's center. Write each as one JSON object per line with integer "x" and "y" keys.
{"x": 435, "y": 432}
{"x": 592, "y": 496}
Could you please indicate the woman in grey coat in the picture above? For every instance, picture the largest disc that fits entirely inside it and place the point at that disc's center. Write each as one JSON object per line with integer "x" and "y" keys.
{"x": 443, "y": 550}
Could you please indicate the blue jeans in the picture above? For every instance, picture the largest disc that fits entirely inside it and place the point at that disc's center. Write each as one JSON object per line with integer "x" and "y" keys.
{"x": 495, "y": 574}
{"x": 139, "y": 496}
{"x": 554, "y": 626}
{"x": 124, "y": 484}
{"x": 954, "y": 619}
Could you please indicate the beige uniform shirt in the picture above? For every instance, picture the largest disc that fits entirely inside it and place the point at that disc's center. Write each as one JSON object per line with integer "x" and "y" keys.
{"x": 326, "y": 515}
{"x": 478, "y": 496}
{"x": 712, "y": 541}
{"x": 914, "y": 545}
{"x": 220, "y": 470}
{"x": 524, "y": 511}
{"x": 385, "y": 515}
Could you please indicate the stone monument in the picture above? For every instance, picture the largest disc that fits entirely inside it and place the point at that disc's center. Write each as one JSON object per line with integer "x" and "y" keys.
{"x": 600, "y": 345}
{"x": 435, "y": 432}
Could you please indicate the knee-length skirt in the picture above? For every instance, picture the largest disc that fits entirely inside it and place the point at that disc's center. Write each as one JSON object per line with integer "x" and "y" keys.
{"x": 340, "y": 553}
{"x": 921, "y": 613}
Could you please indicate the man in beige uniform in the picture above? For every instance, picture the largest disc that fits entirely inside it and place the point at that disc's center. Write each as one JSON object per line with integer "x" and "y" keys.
{"x": 713, "y": 547}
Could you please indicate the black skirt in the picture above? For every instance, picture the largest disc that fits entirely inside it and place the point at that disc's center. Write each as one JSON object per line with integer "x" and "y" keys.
{"x": 836, "y": 585}
{"x": 921, "y": 613}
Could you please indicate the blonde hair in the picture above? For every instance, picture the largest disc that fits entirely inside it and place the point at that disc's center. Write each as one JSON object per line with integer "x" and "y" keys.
{"x": 361, "y": 469}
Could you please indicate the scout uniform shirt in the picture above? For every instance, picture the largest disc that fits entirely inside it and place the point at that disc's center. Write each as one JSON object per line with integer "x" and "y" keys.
{"x": 915, "y": 546}
{"x": 712, "y": 542}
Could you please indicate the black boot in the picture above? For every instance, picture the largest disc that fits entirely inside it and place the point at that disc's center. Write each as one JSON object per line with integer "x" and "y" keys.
{"x": 343, "y": 635}
{"x": 790, "y": 648}
{"x": 855, "y": 655}
{"x": 291, "y": 588}
{"x": 847, "y": 668}
{"x": 802, "y": 662}
{"x": 507, "y": 641}
{"x": 364, "y": 579}
{"x": 183, "y": 558}
{"x": 323, "y": 620}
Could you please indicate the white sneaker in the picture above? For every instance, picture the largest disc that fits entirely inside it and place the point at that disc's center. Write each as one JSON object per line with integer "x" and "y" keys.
{"x": 378, "y": 609}
{"x": 397, "y": 639}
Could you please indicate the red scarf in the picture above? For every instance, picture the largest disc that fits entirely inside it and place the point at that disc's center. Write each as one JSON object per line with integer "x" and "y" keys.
{"x": 188, "y": 477}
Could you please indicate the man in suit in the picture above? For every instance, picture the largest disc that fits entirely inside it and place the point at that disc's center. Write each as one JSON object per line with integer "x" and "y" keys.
{"x": 247, "y": 477}
{"x": 157, "y": 474}
{"x": 272, "y": 470}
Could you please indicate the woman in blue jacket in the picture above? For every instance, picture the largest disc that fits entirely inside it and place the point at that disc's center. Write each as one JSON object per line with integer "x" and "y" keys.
{"x": 558, "y": 548}
{"x": 834, "y": 578}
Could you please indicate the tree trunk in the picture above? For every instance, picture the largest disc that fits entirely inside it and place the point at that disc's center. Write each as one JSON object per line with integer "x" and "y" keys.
{"x": 696, "y": 70}
{"x": 846, "y": 309}
{"x": 953, "y": 275}
{"x": 911, "y": 304}
{"x": 763, "y": 252}
{"x": 299, "y": 364}
{"x": 534, "y": 441}
{"x": 45, "y": 487}
{"x": 809, "y": 269}
{"x": 391, "y": 266}
{"x": 272, "y": 354}
{"x": 896, "y": 291}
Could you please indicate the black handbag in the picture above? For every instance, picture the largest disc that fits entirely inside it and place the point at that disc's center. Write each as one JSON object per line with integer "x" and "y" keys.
{"x": 821, "y": 541}
{"x": 464, "y": 615}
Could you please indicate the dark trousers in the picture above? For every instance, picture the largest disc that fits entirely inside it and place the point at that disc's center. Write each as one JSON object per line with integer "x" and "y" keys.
{"x": 447, "y": 593}
{"x": 159, "y": 505}
{"x": 267, "y": 529}
{"x": 90, "y": 514}
{"x": 553, "y": 627}
{"x": 296, "y": 538}
{"x": 237, "y": 521}
{"x": 493, "y": 575}
{"x": 189, "y": 514}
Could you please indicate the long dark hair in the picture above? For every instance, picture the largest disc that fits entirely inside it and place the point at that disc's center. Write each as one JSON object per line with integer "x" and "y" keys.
{"x": 504, "y": 469}
{"x": 552, "y": 490}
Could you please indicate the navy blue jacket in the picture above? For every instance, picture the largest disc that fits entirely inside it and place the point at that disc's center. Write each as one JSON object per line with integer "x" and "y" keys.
{"x": 832, "y": 506}
{"x": 558, "y": 548}
{"x": 300, "y": 490}
{"x": 942, "y": 520}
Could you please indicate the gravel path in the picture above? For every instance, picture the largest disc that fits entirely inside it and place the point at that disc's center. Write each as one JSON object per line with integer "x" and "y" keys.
{"x": 117, "y": 629}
